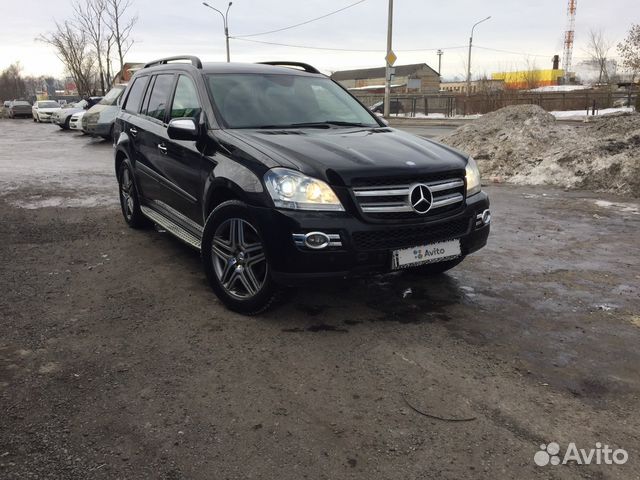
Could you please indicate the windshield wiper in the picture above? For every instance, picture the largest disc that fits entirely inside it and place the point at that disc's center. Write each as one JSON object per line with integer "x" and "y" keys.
{"x": 339, "y": 123}
{"x": 296, "y": 125}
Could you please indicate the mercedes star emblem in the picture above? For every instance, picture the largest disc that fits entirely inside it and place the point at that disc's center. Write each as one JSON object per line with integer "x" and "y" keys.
{"x": 421, "y": 198}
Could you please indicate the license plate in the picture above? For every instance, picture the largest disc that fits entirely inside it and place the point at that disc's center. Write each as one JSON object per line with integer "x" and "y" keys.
{"x": 435, "y": 252}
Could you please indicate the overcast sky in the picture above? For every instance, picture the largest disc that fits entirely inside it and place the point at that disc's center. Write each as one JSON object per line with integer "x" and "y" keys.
{"x": 170, "y": 27}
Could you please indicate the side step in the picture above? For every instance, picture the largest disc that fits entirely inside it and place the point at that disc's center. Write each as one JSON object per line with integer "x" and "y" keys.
{"x": 171, "y": 227}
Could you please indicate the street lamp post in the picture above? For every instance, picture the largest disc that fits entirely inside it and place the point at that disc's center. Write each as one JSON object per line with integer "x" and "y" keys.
{"x": 469, "y": 62}
{"x": 225, "y": 20}
{"x": 387, "y": 83}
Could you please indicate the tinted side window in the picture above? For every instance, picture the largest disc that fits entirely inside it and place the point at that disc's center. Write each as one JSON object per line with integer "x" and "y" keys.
{"x": 185, "y": 101}
{"x": 160, "y": 96}
{"x": 134, "y": 99}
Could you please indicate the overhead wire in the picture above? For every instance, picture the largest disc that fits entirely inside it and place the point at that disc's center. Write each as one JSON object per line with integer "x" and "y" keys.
{"x": 301, "y": 23}
{"x": 312, "y": 47}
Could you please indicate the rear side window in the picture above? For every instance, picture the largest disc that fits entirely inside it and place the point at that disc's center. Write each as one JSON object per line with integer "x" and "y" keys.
{"x": 160, "y": 96}
{"x": 134, "y": 99}
{"x": 185, "y": 101}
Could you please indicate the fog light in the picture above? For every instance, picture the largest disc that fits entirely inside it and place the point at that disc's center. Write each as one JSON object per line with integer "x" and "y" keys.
{"x": 486, "y": 217}
{"x": 317, "y": 240}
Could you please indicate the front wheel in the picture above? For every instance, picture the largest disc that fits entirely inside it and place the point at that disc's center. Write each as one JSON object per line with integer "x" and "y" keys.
{"x": 235, "y": 260}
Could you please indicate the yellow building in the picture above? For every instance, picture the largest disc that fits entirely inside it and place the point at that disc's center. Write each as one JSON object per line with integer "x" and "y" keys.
{"x": 528, "y": 79}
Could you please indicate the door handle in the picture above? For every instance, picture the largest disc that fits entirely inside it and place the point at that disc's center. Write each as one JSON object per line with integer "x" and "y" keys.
{"x": 133, "y": 131}
{"x": 162, "y": 148}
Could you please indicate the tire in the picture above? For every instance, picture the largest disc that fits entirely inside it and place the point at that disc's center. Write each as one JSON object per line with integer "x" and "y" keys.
{"x": 66, "y": 123}
{"x": 237, "y": 266}
{"x": 128, "y": 194}
{"x": 35, "y": 119}
{"x": 432, "y": 269}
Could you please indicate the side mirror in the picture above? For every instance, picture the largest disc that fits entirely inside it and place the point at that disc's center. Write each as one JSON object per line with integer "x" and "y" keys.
{"x": 384, "y": 120}
{"x": 183, "y": 129}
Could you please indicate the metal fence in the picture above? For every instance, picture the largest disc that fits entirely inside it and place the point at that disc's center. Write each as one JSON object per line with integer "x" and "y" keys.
{"x": 451, "y": 105}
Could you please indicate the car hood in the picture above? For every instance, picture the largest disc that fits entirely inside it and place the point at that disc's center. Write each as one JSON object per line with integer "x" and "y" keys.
{"x": 102, "y": 113}
{"x": 353, "y": 153}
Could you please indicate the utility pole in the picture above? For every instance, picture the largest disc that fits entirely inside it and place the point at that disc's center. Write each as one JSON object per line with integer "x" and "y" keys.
{"x": 225, "y": 20}
{"x": 440, "y": 62}
{"x": 469, "y": 62}
{"x": 390, "y": 59}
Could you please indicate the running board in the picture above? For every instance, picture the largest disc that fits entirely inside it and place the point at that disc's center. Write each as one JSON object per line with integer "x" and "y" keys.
{"x": 171, "y": 227}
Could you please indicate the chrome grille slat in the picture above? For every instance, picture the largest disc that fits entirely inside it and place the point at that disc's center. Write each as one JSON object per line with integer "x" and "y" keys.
{"x": 448, "y": 200}
{"x": 384, "y": 199}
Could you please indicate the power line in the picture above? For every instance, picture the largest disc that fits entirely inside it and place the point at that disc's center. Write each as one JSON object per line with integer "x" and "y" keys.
{"x": 512, "y": 52}
{"x": 303, "y": 23}
{"x": 311, "y": 47}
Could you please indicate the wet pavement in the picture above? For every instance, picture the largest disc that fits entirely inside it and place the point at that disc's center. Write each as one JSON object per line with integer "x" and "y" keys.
{"x": 117, "y": 361}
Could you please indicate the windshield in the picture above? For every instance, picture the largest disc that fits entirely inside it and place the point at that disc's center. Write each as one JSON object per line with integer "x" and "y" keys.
{"x": 48, "y": 105}
{"x": 286, "y": 101}
{"x": 20, "y": 102}
{"x": 112, "y": 97}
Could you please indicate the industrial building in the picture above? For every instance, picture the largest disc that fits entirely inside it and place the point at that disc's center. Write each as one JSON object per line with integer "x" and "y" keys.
{"x": 529, "y": 79}
{"x": 415, "y": 78}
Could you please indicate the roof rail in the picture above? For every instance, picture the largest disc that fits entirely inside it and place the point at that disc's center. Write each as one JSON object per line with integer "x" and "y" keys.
{"x": 305, "y": 66}
{"x": 195, "y": 61}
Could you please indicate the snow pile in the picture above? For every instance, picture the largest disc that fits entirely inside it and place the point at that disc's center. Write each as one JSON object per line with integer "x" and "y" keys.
{"x": 525, "y": 145}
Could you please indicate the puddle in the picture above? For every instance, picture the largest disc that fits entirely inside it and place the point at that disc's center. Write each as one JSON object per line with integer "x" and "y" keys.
{"x": 322, "y": 327}
{"x": 621, "y": 207}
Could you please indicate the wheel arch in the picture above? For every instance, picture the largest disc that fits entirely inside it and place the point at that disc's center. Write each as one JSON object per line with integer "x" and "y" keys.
{"x": 221, "y": 190}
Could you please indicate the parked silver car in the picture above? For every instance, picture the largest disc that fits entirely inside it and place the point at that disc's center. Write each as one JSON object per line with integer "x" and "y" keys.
{"x": 62, "y": 117}
{"x": 99, "y": 119}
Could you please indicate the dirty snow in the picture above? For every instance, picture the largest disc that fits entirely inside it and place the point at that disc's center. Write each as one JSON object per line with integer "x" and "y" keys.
{"x": 526, "y": 145}
{"x": 561, "y": 88}
{"x": 586, "y": 114}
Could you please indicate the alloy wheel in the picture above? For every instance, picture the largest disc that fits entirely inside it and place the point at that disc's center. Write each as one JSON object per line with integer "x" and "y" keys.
{"x": 126, "y": 193}
{"x": 238, "y": 258}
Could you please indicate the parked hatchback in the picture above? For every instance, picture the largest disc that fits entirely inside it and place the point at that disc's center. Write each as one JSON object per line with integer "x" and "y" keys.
{"x": 278, "y": 175}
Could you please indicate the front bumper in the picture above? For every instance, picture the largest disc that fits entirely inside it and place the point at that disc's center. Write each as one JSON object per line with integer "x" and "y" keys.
{"x": 95, "y": 128}
{"x": 365, "y": 247}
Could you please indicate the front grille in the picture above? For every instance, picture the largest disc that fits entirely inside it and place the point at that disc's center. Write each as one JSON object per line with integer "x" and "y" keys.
{"x": 410, "y": 236}
{"x": 390, "y": 198}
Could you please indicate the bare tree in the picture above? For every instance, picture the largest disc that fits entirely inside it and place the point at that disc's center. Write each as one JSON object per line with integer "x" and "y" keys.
{"x": 120, "y": 27}
{"x": 12, "y": 85}
{"x": 531, "y": 75}
{"x": 629, "y": 50}
{"x": 71, "y": 46}
{"x": 598, "y": 50}
{"x": 90, "y": 17}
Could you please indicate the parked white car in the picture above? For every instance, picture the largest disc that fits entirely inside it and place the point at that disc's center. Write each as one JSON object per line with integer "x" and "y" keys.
{"x": 76, "y": 120}
{"x": 43, "y": 109}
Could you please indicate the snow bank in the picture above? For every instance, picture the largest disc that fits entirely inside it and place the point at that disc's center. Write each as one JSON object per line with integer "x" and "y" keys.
{"x": 526, "y": 145}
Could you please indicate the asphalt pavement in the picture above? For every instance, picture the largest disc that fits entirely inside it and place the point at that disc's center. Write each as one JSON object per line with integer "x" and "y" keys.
{"x": 117, "y": 360}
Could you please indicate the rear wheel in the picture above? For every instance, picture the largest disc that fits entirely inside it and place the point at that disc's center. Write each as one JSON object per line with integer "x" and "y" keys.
{"x": 431, "y": 269}
{"x": 129, "y": 198}
{"x": 235, "y": 260}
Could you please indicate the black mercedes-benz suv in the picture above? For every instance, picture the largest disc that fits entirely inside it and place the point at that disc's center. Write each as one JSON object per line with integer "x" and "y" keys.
{"x": 277, "y": 174}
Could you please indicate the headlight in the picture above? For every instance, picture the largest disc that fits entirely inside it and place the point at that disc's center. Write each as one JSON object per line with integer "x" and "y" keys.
{"x": 473, "y": 177}
{"x": 292, "y": 189}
